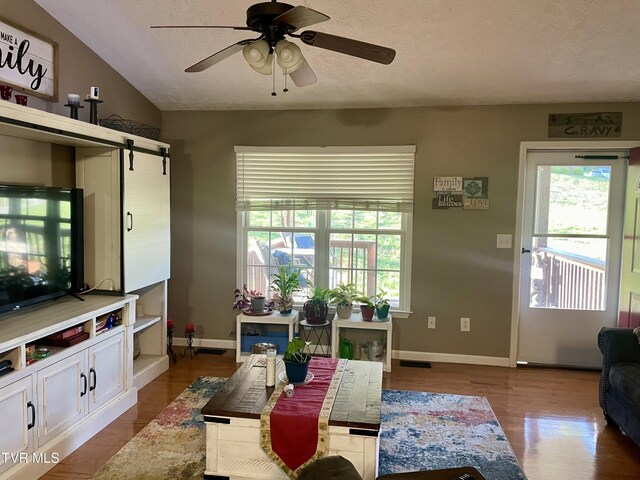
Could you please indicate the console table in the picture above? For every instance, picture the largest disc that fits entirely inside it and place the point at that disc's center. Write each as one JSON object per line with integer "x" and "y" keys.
{"x": 356, "y": 322}
{"x": 275, "y": 318}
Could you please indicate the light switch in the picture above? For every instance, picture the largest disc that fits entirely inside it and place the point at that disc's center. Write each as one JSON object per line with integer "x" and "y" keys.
{"x": 503, "y": 241}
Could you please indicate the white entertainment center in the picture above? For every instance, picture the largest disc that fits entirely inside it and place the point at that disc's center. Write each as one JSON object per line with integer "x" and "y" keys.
{"x": 53, "y": 405}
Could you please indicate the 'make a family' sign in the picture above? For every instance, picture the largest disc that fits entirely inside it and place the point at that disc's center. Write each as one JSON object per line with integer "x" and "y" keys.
{"x": 28, "y": 62}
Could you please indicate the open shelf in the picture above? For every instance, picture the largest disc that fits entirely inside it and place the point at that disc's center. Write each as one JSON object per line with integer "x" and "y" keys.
{"x": 145, "y": 321}
{"x": 147, "y": 367}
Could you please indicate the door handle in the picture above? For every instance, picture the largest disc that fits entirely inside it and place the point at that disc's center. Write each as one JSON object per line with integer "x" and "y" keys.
{"x": 95, "y": 379}
{"x": 84, "y": 382}
{"x": 524, "y": 250}
{"x": 33, "y": 415}
{"x": 130, "y": 222}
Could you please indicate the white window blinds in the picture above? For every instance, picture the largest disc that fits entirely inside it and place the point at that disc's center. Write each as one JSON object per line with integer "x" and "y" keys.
{"x": 322, "y": 178}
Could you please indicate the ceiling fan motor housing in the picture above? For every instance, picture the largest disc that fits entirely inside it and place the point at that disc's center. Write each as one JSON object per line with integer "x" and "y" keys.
{"x": 260, "y": 16}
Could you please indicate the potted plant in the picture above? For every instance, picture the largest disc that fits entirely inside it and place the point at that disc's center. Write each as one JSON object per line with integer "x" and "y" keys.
{"x": 382, "y": 305}
{"x": 344, "y": 296}
{"x": 296, "y": 361}
{"x": 284, "y": 284}
{"x": 316, "y": 308}
{"x": 367, "y": 308}
{"x": 252, "y": 299}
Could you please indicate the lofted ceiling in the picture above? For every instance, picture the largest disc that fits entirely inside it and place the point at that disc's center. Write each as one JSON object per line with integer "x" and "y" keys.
{"x": 449, "y": 52}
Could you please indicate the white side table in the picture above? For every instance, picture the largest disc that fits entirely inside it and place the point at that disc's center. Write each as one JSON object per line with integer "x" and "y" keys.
{"x": 356, "y": 322}
{"x": 276, "y": 318}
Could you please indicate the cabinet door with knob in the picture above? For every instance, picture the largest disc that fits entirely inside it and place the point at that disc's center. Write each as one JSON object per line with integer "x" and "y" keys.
{"x": 62, "y": 387}
{"x": 106, "y": 371}
{"x": 17, "y": 419}
{"x": 146, "y": 244}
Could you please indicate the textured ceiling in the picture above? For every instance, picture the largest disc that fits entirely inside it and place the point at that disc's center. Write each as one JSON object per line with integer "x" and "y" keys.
{"x": 449, "y": 52}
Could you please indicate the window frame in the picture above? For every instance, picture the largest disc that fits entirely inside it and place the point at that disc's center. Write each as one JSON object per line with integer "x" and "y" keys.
{"x": 322, "y": 233}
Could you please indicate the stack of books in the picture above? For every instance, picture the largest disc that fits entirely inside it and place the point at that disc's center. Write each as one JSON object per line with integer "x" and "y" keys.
{"x": 66, "y": 338}
{"x": 5, "y": 367}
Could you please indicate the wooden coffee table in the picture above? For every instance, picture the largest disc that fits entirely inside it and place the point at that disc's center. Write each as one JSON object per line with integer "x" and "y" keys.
{"x": 232, "y": 420}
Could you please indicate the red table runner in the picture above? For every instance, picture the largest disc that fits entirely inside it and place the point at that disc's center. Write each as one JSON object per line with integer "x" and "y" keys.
{"x": 294, "y": 429}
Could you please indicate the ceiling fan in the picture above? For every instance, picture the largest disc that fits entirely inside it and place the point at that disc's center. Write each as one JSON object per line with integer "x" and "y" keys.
{"x": 274, "y": 21}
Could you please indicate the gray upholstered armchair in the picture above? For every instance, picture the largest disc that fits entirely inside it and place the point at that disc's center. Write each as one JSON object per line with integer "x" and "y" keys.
{"x": 620, "y": 379}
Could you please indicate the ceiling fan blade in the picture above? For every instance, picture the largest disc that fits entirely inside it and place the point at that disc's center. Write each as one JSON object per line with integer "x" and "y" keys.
{"x": 348, "y": 46}
{"x": 199, "y": 26}
{"x": 299, "y": 17}
{"x": 303, "y": 76}
{"x": 219, "y": 56}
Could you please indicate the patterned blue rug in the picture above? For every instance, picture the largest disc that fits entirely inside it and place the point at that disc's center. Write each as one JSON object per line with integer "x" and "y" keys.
{"x": 429, "y": 431}
{"x": 419, "y": 431}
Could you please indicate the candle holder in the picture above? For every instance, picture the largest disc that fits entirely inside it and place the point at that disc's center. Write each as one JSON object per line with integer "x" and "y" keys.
{"x": 93, "y": 109}
{"x": 170, "y": 351}
{"x": 190, "y": 333}
{"x": 5, "y": 92}
{"x": 73, "y": 110}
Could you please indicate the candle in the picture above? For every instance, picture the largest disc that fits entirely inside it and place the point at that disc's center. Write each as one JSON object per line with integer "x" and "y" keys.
{"x": 170, "y": 324}
{"x": 73, "y": 99}
{"x": 189, "y": 328}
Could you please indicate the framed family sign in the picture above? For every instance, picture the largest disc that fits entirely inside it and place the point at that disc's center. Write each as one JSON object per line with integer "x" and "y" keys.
{"x": 28, "y": 61}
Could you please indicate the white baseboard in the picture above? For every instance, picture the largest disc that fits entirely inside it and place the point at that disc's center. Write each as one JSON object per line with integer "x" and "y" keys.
{"x": 398, "y": 354}
{"x": 451, "y": 358}
{"x": 205, "y": 343}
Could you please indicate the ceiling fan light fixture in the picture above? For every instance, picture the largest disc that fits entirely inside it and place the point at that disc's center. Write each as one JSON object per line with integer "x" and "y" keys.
{"x": 295, "y": 67}
{"x": 267, "y": 68}
{"x": 288, "y": 54}
{"x": 256, "y": 54}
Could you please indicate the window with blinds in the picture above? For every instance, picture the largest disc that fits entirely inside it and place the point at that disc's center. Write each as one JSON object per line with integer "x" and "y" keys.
{"x": 340, "y": 214}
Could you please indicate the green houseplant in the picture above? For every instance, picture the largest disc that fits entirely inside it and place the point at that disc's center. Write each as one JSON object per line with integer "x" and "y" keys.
{"x": 316, "y": 308}
{"x": 382, "y": 305}
{"x": 296, "y": 361}
{"x": 343, "y": 296}
{"x": 284, "y": 284}
{"x": 367, "y": 308}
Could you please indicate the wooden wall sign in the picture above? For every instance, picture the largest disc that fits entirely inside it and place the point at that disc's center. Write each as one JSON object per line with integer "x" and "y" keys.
{"x": 572, "y": 125}
{"x": 447, "y": 184}
{"x": 28, "y": 61}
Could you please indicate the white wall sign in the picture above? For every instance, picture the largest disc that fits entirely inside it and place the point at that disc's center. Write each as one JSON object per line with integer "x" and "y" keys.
{"x": 447, "y": 184}
{"x": 28, "y": 62}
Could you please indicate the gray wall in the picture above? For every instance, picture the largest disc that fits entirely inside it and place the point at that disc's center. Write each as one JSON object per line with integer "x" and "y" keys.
{"x": 457, "y": 269}
{"x": 80, "y": 68}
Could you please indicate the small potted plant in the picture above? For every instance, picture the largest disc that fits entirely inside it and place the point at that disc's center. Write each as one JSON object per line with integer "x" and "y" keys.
{"x": 316, "y": 308}
{"x": 252, "y": 299}
{"x": 344, "y": 296}
{"x": 284, "y": 284}
{"x": 382, "y": 305}
{"x": 367, "y": 308}
{"x": 296, "y": 361}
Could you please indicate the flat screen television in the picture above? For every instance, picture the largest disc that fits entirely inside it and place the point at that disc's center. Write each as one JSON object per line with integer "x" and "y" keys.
{"x": 41, "y": 244}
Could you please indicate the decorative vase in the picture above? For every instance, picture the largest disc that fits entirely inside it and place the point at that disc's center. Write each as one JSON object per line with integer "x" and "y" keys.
{"x": 367, "y": 312}
{"x": 284, "y": 304}
{"x": 296, "y": 372}
{"x": 344, "y": 311}
{"x": 257, "y": 304}
{"x": 382, "y": 312}
{"x": 316, "y": 313}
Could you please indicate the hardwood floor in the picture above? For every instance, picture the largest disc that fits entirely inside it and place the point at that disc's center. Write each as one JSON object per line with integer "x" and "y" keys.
{"x": 551, "y": 417}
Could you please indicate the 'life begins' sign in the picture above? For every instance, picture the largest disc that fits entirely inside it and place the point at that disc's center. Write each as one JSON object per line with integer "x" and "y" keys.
{"x": 28, "y": 62}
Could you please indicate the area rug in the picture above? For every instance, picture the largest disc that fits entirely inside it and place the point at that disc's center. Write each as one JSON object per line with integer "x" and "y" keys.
{"x": 419, "y": 431}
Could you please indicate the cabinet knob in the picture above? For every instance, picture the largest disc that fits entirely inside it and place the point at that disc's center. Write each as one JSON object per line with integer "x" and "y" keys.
{"x": 129, "y": 221}
{"x": 95, "y": 379}
{"x": 33, "y": 415}
{"x": 84, "y": 383}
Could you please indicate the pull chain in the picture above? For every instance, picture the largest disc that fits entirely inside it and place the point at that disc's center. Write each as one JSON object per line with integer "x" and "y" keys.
{"x": 273, "y": 74}
{"x": 284, "y": 71}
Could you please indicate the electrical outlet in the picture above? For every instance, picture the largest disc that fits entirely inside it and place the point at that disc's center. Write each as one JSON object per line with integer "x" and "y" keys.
{"x": 431, "y": 322}
{"x": 465, "y": 324}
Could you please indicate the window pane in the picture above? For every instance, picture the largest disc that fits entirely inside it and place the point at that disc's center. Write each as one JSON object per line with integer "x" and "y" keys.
{"x": 364, "y": 251}
{"x": 577, "y": 204}
{"x": 305, "y": 219}
{"x": 257, "y": 248}
{"x": 342, "y": 219}
{"x": 365, "y": 281}
{"x": 336, "y": 277}
{"x": 282, "y": 218}
{"x": 304, "y": 249}
{"x": 388, "y": 252}
{"x": 281, "y": 249}
{"x": 259, "y": 219}
{"x": 340, "y": 250}
{"x": 389, "y": 220}
{"x": 390, "y": 283}
{"x": 364, "y": 219}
